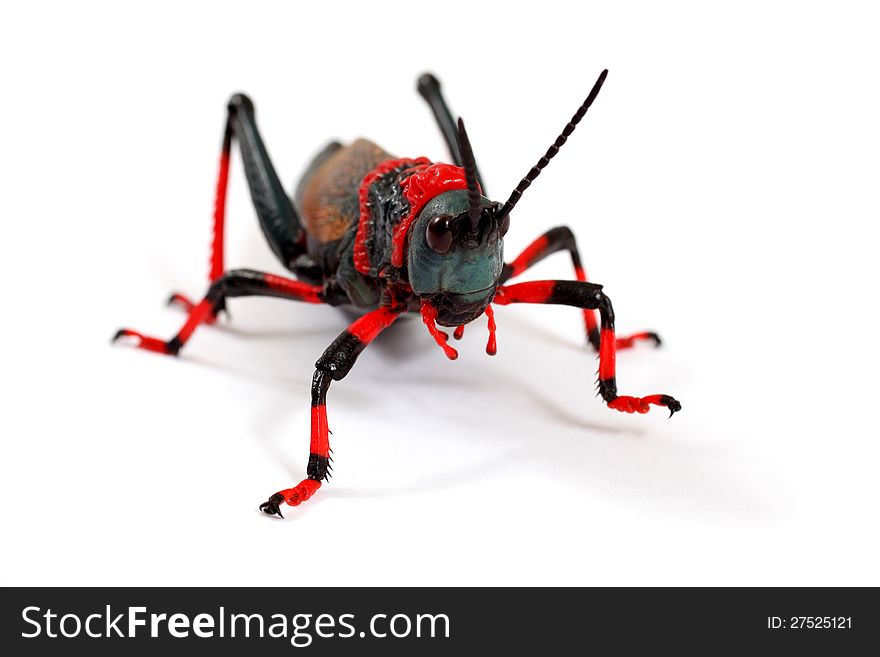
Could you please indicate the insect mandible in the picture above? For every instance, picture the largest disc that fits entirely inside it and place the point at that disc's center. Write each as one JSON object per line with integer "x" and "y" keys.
{"x": 390, "y": 236}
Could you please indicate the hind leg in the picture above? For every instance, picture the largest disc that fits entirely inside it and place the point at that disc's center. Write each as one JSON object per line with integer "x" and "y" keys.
{"x": 278, "y": 218}
{"x": 235, "y": 283}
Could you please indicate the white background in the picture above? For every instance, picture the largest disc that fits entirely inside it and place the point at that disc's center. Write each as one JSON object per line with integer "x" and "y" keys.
{"x": 723, "y": 189}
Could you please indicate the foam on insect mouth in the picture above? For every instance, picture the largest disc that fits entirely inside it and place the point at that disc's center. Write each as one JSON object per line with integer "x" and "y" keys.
{"x": 429, "y": 317}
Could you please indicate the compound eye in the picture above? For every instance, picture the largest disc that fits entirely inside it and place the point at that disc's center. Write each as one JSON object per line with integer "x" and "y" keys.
{"x": 505, "y": 225}
{"x": 439, "y": 233}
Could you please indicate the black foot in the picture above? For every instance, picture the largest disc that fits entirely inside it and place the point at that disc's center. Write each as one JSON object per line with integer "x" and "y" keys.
{"x": 271, "y": 506}
{"x": 672, "y": 404}
{"x": 627, "y": 404}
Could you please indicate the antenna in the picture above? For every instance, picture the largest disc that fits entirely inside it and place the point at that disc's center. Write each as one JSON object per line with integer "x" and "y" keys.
{"x": 475, "y": 201}
{"x": 553, "y": 150}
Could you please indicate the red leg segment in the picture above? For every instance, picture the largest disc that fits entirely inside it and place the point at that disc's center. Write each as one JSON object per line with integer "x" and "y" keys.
{"x": 588, "y": 295}
{"x": 278, "y": 218}
{"x": 334, "y": 365}
{"x": 217, "y": 236}
{"x": 217, "y": 240}
{"x": 562, "y": 239}
{"x": 236, "y": 283}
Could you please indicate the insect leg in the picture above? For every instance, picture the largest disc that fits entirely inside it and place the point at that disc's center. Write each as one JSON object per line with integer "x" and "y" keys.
{"x": 429, "y": 88}
{"x": 562, "y": 239}
{"x": 235, "y": 283}
{"x": 333, "y": 365}
{"x": 588, "y": 296}
{"x": 278, "y": 218}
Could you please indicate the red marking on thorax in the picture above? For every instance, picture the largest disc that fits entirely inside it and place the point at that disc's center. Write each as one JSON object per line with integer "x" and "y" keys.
{"x": 418, "y": 189}
{"x": 425, "y": 183}
{"x": 361, "y": 255}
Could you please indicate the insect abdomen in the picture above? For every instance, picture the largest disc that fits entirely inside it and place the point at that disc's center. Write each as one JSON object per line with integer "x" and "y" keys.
{"x": 327, "y": 195}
